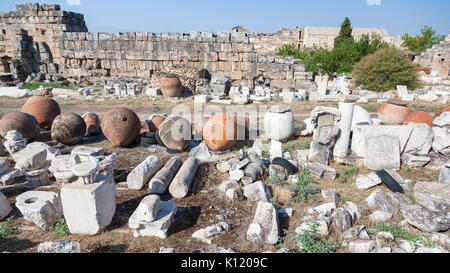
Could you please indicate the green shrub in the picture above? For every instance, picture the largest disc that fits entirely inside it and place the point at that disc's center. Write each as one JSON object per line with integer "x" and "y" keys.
{"x": 309, "y": 242}
{"x": 36, "y": 85}
{"x": 385, "y": 69}
{"x": 304, "y": 189}
{"x": 418, "y": 44}
{"x": 5, "y": 228}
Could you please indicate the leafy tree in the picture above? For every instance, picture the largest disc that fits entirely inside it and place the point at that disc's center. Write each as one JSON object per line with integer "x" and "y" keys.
{"x": 418, "y": 44}
{"x": 345, "y": 33}
{"x": 385, "y": 69}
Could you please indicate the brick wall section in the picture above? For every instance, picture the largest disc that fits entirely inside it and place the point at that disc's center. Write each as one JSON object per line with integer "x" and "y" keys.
{"x": 142, "y": 54}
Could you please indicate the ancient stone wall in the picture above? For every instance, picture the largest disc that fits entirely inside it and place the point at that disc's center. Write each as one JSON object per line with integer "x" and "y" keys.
{"x": 437, "y": 58}
{"x": 144, "y": 54}
{"x": 43, "y": 24}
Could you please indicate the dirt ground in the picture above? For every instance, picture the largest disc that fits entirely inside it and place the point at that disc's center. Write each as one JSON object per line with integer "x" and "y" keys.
{"x": 204, "y": 205}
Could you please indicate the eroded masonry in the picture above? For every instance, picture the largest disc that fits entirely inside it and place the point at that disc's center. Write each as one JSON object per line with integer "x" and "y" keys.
{"x": 42, "y": 39}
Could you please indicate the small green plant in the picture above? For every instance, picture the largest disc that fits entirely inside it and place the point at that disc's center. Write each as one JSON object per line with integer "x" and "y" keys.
{"x": 36, "y": 85}
{"x": 347, "y": 172}
{"x": 273, "y": 201}
{"x": 276, "y": 181}
{"x": 245, "y": 148}
{"x": 5, "y": 228}
{"x": 60, "y": 228}
{"x": 293, "y": 147}
{"x": 304, "y": 189}
{"x": 309, "y": 241}
{"x": 413, "y": 181}
{"x": 408, "y": 169}
{"x": 413, "y": 200}
{"x": 265, "y": 154}
{"x": 399, "y": 232}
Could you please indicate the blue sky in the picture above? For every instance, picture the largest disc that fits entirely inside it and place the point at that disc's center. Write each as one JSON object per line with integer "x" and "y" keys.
{"x": 396, "y": 16}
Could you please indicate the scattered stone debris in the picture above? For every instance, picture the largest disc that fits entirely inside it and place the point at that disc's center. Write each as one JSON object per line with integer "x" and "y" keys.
{"x": 59, "y": 247}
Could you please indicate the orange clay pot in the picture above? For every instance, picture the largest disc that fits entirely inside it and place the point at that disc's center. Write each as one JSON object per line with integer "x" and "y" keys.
{"x": 21, "y": 122}
{"x": 93, "y": 124}
{"x": 220, "y": 132}
{"x": 419, "y": 117}
{"x": 121, "y": 126}
{"x": 445, "y": 109}
{"x": 391, "y": 114}
{"x": 171, "y": 86}
{"x": 44, "y": 109}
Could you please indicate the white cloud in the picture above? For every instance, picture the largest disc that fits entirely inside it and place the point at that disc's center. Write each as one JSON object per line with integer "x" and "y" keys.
{"x": 78, "y": 2}
{"x": 374, "y": 2}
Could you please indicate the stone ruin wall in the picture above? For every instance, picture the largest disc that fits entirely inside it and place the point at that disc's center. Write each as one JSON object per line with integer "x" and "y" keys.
{"x": 31, "y": 34}
{"x": 145, "y": 54}
{"x": 437, "y": 58}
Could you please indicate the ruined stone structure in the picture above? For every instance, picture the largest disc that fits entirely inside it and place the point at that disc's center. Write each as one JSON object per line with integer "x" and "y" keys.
{"x": 307, "y": 37}
{"x": 437, "y": 58}
{"x": 30, "y": 36}
{"x": 42, "y": 39}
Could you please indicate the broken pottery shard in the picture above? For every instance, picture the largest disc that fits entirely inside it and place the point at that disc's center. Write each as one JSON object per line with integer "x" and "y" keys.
{"x": 159, "y": 226}
{"x": 42, "y": 208}
{"x": 162, "y": 179}
{"x": 180, "y": 185}
{"x": 265, "y": 226}
{"x": 89, "y": 208}
{"x": 381, "y": 152}
{"x": 139, "y": 177}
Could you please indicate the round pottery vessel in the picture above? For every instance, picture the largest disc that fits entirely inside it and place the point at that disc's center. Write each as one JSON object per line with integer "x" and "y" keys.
{"x": 419, "y": 117}
{"x": 220, "y": 132}
{"x": 68, "y": 128}
{"x": 279, "y": 123}
{"x": 121, "y": 126}
{"x": 93, "y": 123}
{"x": 21, "y": 122}
{"x": 175, "y": 133}
{"x": 171, "y": 86}
{"x": 445, "y": 109}
{"x": 392, "y": 114}
{"x": 44, "y": 109}
{"x": 154, "y": 124}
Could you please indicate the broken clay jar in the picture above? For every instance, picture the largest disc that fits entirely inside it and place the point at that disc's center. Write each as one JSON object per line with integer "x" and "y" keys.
{"x": 171, "y": 86}
{"x": 279, "y": 123}
{"x": 68, "y": 128}
{"x": 393, "y": 114}
{"x": 93, "y": 124}
{"x": 419, "y": 117}
{"x": 175, "y": 133}
{"x": 155, "y": 121}
{"x": 121, "y": 126}
{"x": 44, "y": 109}
{"x": 220, "y": 132}
{"x": 24, "y": 123}
{"x": 445, "y": 109}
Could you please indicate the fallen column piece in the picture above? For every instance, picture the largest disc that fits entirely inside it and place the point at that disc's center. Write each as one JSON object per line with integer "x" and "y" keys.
{"x": 345, "y": 124}
{"x": 182, "y": 181}
{"x": 89, "y": 208}
{"x": 162, "y": 179}
{"x": 140, "y": 176}
{"x": 141, "y": 220}
{"x": 86, "y": 172}
{"x": 208, "y": 234}
{"x": 42, "y": 208}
